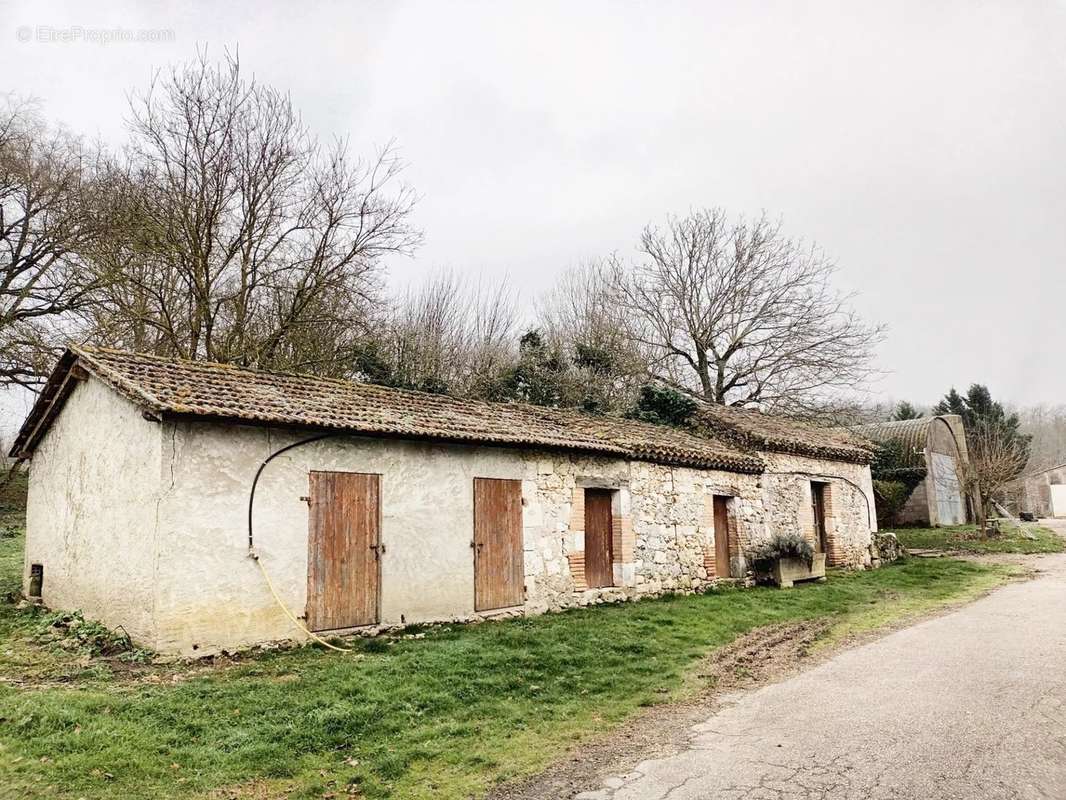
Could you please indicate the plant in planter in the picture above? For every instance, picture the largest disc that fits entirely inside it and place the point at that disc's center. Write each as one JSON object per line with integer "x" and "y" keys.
{"x": 786, "y": 558}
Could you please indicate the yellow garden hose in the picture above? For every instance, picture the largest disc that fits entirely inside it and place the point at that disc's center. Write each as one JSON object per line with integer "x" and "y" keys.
{"x": 255, "y": 556}
{"x": 295, "y": 621}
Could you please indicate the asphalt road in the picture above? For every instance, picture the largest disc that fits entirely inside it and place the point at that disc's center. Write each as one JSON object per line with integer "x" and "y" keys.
{"x": 971, "y": 705}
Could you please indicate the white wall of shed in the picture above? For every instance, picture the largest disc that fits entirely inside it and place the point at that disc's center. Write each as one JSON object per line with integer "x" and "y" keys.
{"x": 212, "y": 595}
{"x": 91, "y": 510}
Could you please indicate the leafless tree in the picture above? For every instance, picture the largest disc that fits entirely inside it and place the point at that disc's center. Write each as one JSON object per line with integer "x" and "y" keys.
{"x": 581, "y": 317}
{"x": 1047, "y": 425}
{"x": 996, "y": 457}
{"x": 246, "y": 240}
{"x": 740, "y": 314}
{"x": 448, "y": 334}
{"x": 51, "y": 213}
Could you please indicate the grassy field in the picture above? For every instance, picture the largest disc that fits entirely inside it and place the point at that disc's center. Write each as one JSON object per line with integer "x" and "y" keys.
{"x": 966, "y": 539}
{"x": 444, "y": 712}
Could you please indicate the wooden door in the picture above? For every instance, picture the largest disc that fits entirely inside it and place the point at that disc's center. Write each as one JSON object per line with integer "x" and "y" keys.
{"x": 499, "y": 574}
{"x": 599, "y": 536}
{"x": 818, "y": 508}
{"x": 721, "y": 536}
{"x": 343, "y": 567}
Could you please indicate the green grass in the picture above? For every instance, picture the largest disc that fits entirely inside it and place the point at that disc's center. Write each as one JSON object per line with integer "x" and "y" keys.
{"x": 10, "y": 566}
{"x": 12, "y": 496}
{"x": 966, "y": 539}
{"x": 447, "y": 715}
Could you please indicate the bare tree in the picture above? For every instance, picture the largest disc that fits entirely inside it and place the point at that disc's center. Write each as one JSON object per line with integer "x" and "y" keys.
{"x": 51, "y": 213}
{"x": 1046, "y": 424}
{"x": 581, "y": 318}
{"x": 246, "y": 240}
{"x": 997, "y": 456}
{"x": 741, "y": 314}
{"x": 446, "y": 335}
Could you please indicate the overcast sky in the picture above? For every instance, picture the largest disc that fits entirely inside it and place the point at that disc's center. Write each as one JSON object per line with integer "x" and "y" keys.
{"x": 922, "y": 145}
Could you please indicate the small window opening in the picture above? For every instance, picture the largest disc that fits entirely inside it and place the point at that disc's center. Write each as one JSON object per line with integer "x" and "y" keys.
{"x": 36, "y": 579}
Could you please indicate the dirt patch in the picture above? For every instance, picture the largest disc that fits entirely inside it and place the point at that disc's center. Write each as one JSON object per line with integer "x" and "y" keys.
{"x": 53, "y": 670}
{"x": 759, "y": 657}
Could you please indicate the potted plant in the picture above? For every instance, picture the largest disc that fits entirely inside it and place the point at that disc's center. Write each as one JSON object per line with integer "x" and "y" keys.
{"x": 786, "y": 558}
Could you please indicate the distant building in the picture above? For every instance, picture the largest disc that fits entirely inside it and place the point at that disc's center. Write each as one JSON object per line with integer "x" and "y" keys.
{"x": 1041, "y": 493}
{"x": 937, "y": 447}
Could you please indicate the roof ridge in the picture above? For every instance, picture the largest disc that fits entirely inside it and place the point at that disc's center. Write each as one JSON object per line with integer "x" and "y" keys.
{"x": 308, "y": 376}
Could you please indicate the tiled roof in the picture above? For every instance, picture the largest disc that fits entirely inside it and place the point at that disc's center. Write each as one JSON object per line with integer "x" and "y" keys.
{"x": 759, "y": 431}
{"x": 198, "y": 389}
{"x": 664, "y": 444}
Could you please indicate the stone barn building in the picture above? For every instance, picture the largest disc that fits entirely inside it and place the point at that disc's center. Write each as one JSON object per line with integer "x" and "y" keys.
{"x": 374, "y": 506}
{"x": 1041, "y": 492}
{"x": 936, "y": 448}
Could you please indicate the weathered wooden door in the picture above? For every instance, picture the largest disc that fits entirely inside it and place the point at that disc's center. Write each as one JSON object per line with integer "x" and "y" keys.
{"x": 818, "y": 509}
{"x": 344, "y": 546}
{"x": 721, "y": 536}
{"x": 499, "y": 574}
{"x": 599, "y": 535}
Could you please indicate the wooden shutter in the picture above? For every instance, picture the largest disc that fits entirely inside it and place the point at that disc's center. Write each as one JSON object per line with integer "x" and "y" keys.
{"x": 599, "y": 536}
{"x": 721, "y": 536}
{"x": 343, "y": 568}
{"x": 499, "y": 572}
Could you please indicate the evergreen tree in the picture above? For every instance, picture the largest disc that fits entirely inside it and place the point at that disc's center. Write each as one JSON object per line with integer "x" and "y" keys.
{"x": 978, "y": 409}
{"x": 905, "y": 410}
{"x": 998, "y": 448}
{"x": 662, "y": 406}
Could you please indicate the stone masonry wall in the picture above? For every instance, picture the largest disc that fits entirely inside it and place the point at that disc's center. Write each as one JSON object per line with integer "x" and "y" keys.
{"x": 848, "y": 504}
{"x": 664, "y": 524}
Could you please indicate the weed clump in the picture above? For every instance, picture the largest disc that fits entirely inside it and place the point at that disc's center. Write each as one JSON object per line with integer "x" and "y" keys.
{"x": 70, "y": 631}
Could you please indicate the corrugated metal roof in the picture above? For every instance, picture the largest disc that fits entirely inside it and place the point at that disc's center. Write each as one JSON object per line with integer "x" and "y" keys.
{"x": 912, "y": 434}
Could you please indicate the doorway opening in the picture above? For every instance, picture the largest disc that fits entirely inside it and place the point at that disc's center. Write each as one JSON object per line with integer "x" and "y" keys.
{"x": 599, "y": 538}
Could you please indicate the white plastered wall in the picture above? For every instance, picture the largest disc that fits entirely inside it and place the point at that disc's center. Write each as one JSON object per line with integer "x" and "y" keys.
{"x": 91, "y": 510}
{"x": 211, "y": 595}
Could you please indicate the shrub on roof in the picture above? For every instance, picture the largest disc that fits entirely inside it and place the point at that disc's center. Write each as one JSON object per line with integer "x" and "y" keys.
{"x": 662, "y": 405}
